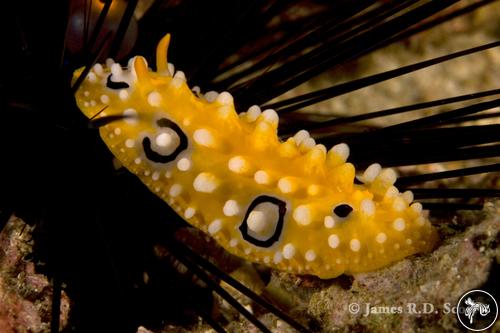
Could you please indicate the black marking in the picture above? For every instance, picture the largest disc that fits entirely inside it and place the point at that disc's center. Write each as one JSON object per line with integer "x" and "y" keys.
{"x": 159, "y": 158}
{"x": 342, "y": 210}
{"x": 279, "y": 225}
{"x": 115, "y": 85}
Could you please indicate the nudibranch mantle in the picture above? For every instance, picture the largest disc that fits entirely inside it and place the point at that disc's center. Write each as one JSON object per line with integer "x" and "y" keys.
{"x": 290, "y": 205}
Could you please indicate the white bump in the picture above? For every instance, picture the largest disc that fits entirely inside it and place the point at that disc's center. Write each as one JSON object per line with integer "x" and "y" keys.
{"x": 130, "y": 116}
{"x": 278, "y": 257}
{"x": 399, "y": 224}
{"x": 98, "y": 69}
{"x": 203, "y": 137}
{"x": 86, "y": 104}
{"x": 237, "y": 164}
{"x": 123, "y": 94}
{"x": 163, "y": 139}
{"x": 271, "y": 116}
{"x": 310, "y": 255}
{"x": 256, "y": 221}
{"x": 175, "y": 190}
{"x": 86, "y": 93}
{"x": 329, "y": 222}
{"x": 261, "y": 177}
{"x": 267, "y": 259}
{"x": 407, "y": 196}
{"x": 205, "y": 182}
{"x": 381, "y": 237}
{"x": 168, "y": 174}
{"x": 117, "y": 131}
{"x": 147, "y": 173}
{"x": 189, "y": 212}
{"x": 171, "y": 68}
{"x": 341, "y": 150}
{"x": 231, "y": 208}
{"x": 91, "y": 77}
{"x": 371, "y": 173}
{"x": 333, "y": 241}
{"x": 302, "y": 215}
{"x": 129, "y": 143}
{"x": 104, "y": 99}
{"x": 253, "y": 113}
{"x": 408, "y": 241}
{"x": 286, "y": 185}
{"x": 154, "y": 98}
{"x": 214, "y": 227}
{"x": 248, "y": 251}
{"x": 367, "y": 207}
{"x": 388, "y": 176}
{"x": 225, "y": 98}
{"x": 211, "y": 96}
{"x": 355, "y": 244}
{"x": 391, "y": 193}
{"x": 300, "y": 136}
{"x": 155, "y": 176}
{"x": 233, "y": 242}
{"x": 93, "y": 103}
{"x": 399, "y": 204}
{"x": 177, "y": 81}
{"x": 288, "y": 251}
{"x": 308, "y": 143}
{"x": 416, "y": 207}
{"x": 180, "y": 75}
{"x": 116, "y": 69}
{"x": 138, "y": 160}
{"x": 184, "y": 164}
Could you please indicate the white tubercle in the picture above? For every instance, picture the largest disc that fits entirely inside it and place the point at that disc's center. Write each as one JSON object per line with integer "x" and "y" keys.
{"x": 270, "y": 116}
{"x": 204, "y": 137}
{"x": 225, "y": 98}
{"x": 371, "y": 173}
{"x": 231, "y": 208}
{"x": 211, "y": 96}
{"x": 341, "y": 150}
{"x": 301, "y": 136}
{"x": 205, "y": 182}
{"x": 288, "y": 251}
{"x": 109, "y": 62}
{"x": 98, "y": 69}
{"x": 253, "y": 113}
{"x": 180, "y": 75}
{"x": 171, "y": 68}
{"x": 116, "y": 70}
{"x": 163, "y": 139}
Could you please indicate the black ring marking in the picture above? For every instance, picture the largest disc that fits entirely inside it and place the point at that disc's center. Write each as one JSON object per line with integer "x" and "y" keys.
{"x": 342, "y": 210}
{"x": 154, "y": 156}
{"x": 279, "y": 226}
{"x": 115, "y": 85}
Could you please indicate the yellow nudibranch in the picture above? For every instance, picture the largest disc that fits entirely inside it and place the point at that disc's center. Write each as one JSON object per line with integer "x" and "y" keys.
{"x": 290, "y": 205}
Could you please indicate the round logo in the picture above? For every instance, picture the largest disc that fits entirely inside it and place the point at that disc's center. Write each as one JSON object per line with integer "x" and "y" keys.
{"x": 477, "y": 310}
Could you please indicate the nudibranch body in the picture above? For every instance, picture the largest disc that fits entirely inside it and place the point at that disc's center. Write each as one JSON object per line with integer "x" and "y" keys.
{"x": 290, "y": 205}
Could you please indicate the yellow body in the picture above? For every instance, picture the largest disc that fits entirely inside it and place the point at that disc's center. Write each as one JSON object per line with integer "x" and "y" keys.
{"x": 264, "y": 200}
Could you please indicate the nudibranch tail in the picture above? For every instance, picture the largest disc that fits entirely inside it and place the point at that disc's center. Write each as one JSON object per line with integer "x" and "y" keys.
{"x": 290, "y": 205}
